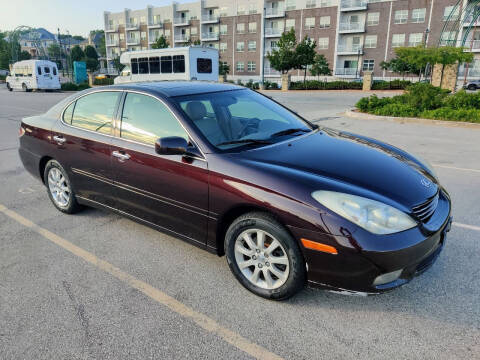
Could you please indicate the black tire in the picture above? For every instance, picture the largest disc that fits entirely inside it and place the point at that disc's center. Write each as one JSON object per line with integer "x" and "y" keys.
{"x": 297, "y": 270}
{"x": 472, "y": 87}
{"x": 72, "y": 205}
{"x": 9, "y": 87}
{"x": 24, "y": 87}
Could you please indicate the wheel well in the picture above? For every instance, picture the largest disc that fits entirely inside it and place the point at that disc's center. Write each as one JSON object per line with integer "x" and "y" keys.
{"x": 226, "y": 220}
{"x": 41, "y": 167}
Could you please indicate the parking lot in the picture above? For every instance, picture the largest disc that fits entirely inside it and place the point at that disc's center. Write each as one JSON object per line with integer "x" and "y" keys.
{"x": 96, "y": 285}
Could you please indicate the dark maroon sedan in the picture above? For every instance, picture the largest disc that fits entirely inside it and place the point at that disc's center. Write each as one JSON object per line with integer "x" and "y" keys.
{"x": 233, "y": 172}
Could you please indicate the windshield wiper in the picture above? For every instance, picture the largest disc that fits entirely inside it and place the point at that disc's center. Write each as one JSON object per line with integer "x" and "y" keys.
{"x": 289, "y": 131}
{"x": 245, "y": 141}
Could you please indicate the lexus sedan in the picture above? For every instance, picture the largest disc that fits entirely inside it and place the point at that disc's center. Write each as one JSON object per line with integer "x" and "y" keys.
{"x": 235, "y": 173}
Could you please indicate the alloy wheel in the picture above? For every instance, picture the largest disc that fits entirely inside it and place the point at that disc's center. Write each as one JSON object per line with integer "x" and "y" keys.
{"x": 262, "y": 259}
{"x": 58, "y": 187}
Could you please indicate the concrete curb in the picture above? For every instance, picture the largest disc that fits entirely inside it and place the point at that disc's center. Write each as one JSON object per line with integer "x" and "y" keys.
{"x": 407, "y": 120}
{"x": 334, "y": 91}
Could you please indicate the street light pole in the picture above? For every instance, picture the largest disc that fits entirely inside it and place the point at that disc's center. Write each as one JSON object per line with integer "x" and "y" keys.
{"x": 358, "y": 63}
{"x": 262, "y": 75}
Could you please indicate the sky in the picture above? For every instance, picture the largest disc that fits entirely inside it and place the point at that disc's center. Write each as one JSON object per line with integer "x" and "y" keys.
{"x": 78, "y": 17}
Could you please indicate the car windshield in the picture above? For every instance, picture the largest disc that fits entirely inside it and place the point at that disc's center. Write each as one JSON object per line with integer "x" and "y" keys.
{"x": 231, "y": 119}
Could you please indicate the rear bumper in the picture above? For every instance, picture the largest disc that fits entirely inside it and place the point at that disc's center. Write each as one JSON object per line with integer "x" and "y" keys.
{"x": 30, "y": 161}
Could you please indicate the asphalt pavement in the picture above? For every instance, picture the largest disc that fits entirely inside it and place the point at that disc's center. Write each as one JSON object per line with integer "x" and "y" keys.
{"x": 98, "y": 286}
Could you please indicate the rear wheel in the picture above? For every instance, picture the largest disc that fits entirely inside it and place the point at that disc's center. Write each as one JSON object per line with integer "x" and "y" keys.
{"x": 472, "y": 87}
{"x": 59, "y": 188}
{"x": 9, "y": 87}
{"x": 264, "y": 257}
{"x": 24, "y": 87}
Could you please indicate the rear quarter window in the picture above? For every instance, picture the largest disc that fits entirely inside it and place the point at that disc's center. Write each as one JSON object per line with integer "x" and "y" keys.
{"x": 68, "y": 113}
{"x": 39, "y": 70}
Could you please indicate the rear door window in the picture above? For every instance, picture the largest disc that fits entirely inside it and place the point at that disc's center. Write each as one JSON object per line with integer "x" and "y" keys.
{"x": 54, "y": 71}
{"x": 178, "y": 63}
{"x": 204, "y": 66}
{"x": 145, "y": 119}
{"x": 95, "y": 112}
{"x": 46, "y": 69}
{"x": 39, "y": 70}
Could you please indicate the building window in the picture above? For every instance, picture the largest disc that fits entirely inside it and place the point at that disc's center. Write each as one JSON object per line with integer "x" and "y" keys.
{"x": 370, "y": 42}
{"x": 325, "y": 3}
{"x": 241, "y": 28}
{"x": 241, "y": 10}
{"x": 252, "y": 45}
{"x": 194, "y": 31}
{"x": 224, "y": 11}
{"x": 167, "y": 32}
{"x": 240, "y": 46}
{"x": 240, "y": 66}
{"x": 373, "y": 18}
{"x": 291, "y": 5}
{"x": 451, "y": 13}
{"x": 252, "y": 9}
{"x": 309, "y": 23}
{"x": 289, "y": 24}
{"x": 223, "y": 47}
{"x": 251, "y": 66}
{"x": 223, "y": 29}
{"x": 323, "y": 43}
{"x": 415, "y": 39}
{"x": 448, "y": 38}
{"x": 398, "y": 40}
{"x": 418, "y": 15}
{"x": 143, "y": 35}
{"x": 252, "y": 27}
{"x": 311, "y": 4}
{"x": 324, "y": 22}
{"x": 368, "y": 65}
{"x": 401, "y": 16}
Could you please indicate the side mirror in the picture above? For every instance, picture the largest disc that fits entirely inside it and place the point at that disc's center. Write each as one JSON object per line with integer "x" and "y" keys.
{"x": 171, "y": 145}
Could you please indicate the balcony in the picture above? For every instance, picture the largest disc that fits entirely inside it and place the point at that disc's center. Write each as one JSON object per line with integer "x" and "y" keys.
{"x": 210, "y": 19}
{"x": 111, "y": 43}
{"x": 132, "y": 26}
{"x": 270, "y": 49}
{"x": 473, "y": 45}
{"x": 350, "y": 28}
{"x": 353, "y": 5}
{"x": 111, "y": 28}
{"x": 269, "y": 72}
{"x": 469, "y": 21}
{"x": 155, "y": 25}
{"x": 182, "y": 38}
{"x": 273, "y": 32}
{"x": 181, "y": 21}
{"x": 274, "y": 12}
{"x": 133, "y": 41}
{"x": 346, "y": 71}
{"x": 210, "y": 36}
{"x": 344, "y": 49}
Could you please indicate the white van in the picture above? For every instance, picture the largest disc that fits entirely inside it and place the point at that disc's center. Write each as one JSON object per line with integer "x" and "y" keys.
{"x": 181, "y": 63}
{"x": 28, "y": 75}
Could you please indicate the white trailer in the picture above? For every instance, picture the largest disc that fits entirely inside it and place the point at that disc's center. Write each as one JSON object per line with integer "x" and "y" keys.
{"x": 30, "y": 75}
{"x": 182, "y": 63}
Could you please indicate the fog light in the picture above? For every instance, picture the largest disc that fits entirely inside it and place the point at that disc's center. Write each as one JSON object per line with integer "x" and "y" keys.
{"x": 388, "y": 277}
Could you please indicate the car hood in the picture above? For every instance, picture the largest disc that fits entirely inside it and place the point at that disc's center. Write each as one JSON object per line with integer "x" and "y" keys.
{"x": 356, "y": 164}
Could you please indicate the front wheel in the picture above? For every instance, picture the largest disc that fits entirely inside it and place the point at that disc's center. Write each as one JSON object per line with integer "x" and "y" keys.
{"x": 9, "y": 87}
{"x": 264, "y": 257}
{"x": 472, "y": 87}
{"x": 59, "y": 188}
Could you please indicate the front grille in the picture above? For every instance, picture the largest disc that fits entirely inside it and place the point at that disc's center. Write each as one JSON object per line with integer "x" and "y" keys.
{"x": 424, "y": 212}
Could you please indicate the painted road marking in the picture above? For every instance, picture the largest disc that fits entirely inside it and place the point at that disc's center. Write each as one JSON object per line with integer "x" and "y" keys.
{"x": 198, "y": 318}
{"x": 466, "y": 226}
{"x": 456, "y": 168}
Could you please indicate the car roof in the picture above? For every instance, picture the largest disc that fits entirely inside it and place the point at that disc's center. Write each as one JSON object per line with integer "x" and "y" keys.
{"x": 176, "y": 88}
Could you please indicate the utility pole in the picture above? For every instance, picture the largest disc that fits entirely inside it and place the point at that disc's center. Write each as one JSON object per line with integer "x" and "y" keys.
{"x": 358, "y": 62}
{"x": 262, "y": 60}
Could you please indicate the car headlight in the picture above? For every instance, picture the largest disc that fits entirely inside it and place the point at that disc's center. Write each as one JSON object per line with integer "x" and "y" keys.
{"x": 374, "y": 216}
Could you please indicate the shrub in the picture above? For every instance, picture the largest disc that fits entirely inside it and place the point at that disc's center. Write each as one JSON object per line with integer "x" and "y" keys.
{"x": 370, "y": 104}
{"x": 444, "y": 113}
{"x": 396, "y": 109}
{"x": 269, "y": 85}
{"x": 462, "y": 100}
{"x": 3, "y": 77}
{"x": 105, "y": 81}
{"x": 324, "y": 85}
{"x": 251, "y": 85}
{"x": 424, "y": 96}
{"x": 239, "y": 82}
{"x": 390, "y": 85}
{"x": 74, "y": 87}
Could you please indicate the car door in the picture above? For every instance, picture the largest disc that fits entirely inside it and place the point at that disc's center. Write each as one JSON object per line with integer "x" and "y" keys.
{"x": 170, "y": 191}
{"x": 83, "y": 138}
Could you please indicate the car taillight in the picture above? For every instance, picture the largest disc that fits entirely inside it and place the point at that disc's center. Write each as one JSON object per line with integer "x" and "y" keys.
{"x": 21, "y": 132}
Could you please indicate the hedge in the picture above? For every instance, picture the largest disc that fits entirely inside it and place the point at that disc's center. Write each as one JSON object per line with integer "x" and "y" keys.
{"x": 104, "y": 81}
{"x": 74, "y": 87}
{"x": 390, "y": 85}
{"x": 325, "y": 85}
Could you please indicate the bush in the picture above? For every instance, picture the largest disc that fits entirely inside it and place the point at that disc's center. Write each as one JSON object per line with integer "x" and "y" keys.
{"x": 251, "y": 85}
{"x": 74, "y": 87}
{"x": 3, "y": 77}
{"x": 324, "y": 85}
{"x": 239, "y": 82}
{"x": 269, "y": 85}
{"x": 444, "y": 113}
{"x": 390, "y": 85}
{"x": 105, "y": 81}
{"x": 370, "y": 104}
{"x": 396, "y": 109}
{"x": 463, "y": 100}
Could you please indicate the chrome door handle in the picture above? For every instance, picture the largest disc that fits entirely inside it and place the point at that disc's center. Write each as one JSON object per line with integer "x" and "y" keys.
{"x": 121, "y": 156}
{"x": 59, "y": 139}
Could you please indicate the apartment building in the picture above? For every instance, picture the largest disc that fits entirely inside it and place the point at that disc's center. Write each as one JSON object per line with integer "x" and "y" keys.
{"x": 354, "y": 35}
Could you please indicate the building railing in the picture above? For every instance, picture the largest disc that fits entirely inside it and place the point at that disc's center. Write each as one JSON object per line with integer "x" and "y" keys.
{"x": 273, "y": 31}
{"x": 352, "y": 27}
{"x": 468, "y": 20}
{"x": 353, "y": 48}
{"x": 351, "y": 4}
{"x": 111, "y": 28}
{"x": 270, "y": 49}
{"x": 111, "y": 43}
{"x": 472, "y": 44}
{"x": 181, "y": 37}
{"x": 156, "y": 24}
{"x": 210, "y": 18}
{"x": 274, "y": 12}
{"x": 181, "y": 20}
{"x": 132, "y": 26}
{"x": 133, "y": 41}
{"x": 346, "y": 71}
{"x": 271, "y": 72}
{"x": 210, "y": 36}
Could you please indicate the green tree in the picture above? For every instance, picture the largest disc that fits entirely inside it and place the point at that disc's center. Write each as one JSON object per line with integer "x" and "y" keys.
{"x": 223, "y": 68}
{"x": 117, "y": 64}
{"x": 449, "y": 55}
{"x": 102, "y": 50}
{"x": 161, "y": 43}
{"x": 78, "y": 37}
{"x": 24, "y": 55}
{"x": 91, "y": 64}
{"x": 418, "y": 57}
{"x": 283, "y": 58}
{"x": 54, "y": 50}
{"x": 320, "y": 66}
{"x": 305, "y": 55}
{"x": 77, "y": 53}
{"x": 90, "y": 52}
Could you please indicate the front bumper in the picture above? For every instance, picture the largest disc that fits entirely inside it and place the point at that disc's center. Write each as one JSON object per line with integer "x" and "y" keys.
{"x": 363, "y": 257}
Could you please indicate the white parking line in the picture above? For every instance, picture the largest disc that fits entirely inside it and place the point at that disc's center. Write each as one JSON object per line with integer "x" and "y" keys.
{"x": 159, "y": 296}
{"x": 455, "y": 168}
{"x": 466, "y": 226}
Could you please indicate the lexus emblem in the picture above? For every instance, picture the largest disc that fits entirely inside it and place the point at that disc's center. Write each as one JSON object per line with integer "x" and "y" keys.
{"x": 426, "y": 182}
